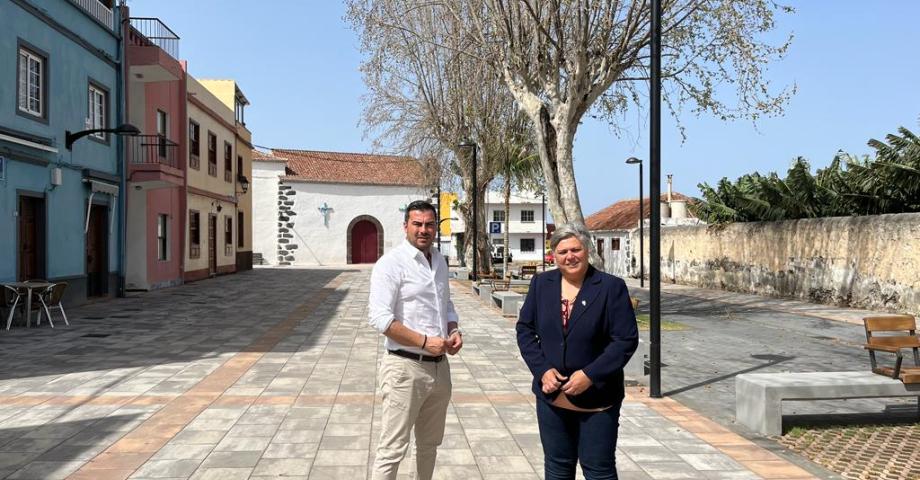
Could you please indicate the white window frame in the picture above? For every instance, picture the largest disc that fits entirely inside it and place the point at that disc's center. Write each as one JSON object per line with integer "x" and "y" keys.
{"x": 163, "y": 237}
{"x": 96, "y": 114}
{"x": 498, "y": 215}
{"x": 27, "y": 87}
{"x": 531, "y": 216}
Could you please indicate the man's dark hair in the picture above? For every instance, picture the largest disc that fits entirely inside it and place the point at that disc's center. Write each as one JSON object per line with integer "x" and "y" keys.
{"x": 420, "y": 205}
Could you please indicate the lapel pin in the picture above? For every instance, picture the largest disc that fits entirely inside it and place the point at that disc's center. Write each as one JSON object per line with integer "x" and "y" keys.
{"x": 583, "y": 303}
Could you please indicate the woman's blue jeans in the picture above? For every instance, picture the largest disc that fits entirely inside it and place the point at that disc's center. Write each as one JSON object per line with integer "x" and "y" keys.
{"x": 569, "y": 437}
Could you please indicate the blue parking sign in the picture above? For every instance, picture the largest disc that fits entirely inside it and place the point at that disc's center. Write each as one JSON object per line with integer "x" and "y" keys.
{"x": 495, "y": 227}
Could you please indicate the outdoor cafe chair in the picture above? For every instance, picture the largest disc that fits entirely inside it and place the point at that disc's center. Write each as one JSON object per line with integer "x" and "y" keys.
{"x": 11, "y": 298}
{"x": 52, "y": 298}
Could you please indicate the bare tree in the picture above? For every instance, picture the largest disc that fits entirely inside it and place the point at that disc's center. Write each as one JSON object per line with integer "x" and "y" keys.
{"x": 520, "y": 171}
{"x": 427, "y": 94}
{"x": 562, "y": 58}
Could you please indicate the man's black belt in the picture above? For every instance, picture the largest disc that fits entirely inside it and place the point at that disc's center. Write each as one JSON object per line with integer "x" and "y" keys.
{"x": 416, "y": 356}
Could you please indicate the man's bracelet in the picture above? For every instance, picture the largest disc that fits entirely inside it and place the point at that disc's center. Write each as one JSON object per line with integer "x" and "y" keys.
{"x": 457, "y": 331}
{"x": 424, "y": 342}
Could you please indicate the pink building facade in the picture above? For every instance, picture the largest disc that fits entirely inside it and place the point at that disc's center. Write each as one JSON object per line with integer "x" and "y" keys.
{"x": 156, "y": 90}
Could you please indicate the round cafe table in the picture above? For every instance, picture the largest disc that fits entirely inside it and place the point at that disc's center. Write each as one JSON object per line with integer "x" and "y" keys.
{"x": 28, "y": 287}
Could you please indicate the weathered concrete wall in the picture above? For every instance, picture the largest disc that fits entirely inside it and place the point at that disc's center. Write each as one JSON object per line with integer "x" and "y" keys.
{"x": 868, "y": 262}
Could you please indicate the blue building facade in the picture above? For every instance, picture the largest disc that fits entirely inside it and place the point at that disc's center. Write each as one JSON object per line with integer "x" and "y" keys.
{"x": 60, "y": 214}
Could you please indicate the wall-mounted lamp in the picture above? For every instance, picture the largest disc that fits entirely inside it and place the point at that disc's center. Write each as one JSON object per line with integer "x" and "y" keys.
{"x": 123, "y": 129}
{"x": 243, "y": 182}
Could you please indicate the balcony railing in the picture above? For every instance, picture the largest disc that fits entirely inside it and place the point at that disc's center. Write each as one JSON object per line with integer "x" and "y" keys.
{"x": 97, "y": 10}
{"x": 152, "y": 149}
{"x": 147, "y": 31}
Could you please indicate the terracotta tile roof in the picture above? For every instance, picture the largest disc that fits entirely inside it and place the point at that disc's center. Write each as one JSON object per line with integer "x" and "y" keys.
{"x": 269, "y": 156}
{"x": 624, "y": 215}
{"x": 354, "y": 168}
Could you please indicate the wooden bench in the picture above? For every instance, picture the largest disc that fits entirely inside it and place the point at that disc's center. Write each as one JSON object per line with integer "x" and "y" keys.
{"x": 528, "y": 270}
{"x": 759, "y": 396}
{"x": 900, "y": 334}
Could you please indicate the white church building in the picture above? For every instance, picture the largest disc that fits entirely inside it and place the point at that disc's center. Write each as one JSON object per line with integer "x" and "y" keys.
{"x": 330, "y": 208}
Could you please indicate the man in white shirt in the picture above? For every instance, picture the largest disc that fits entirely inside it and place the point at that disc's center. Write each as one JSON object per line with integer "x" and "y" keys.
{"x": 410, "y": 304}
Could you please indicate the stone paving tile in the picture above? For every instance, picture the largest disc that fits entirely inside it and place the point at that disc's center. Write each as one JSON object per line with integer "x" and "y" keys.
{"x": 192, "y": 387}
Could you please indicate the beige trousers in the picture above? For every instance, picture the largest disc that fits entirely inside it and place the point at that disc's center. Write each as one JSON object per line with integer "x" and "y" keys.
{"x": 415, "y": 395}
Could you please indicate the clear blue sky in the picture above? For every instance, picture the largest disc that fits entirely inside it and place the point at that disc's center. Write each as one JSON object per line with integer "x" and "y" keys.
{"x": 854, "y": 63}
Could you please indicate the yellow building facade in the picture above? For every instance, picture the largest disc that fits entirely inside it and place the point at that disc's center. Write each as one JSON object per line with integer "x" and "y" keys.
{"x": 211, "y": 200}
{"x": 230, "y": 94}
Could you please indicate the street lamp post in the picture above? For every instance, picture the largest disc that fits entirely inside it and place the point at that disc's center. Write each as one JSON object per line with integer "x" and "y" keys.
{"x": 543, "y": 237}
{"x": 634, "y": 161}
{"x": 655, "y": 193}
{"x": 439, "y": 215}
{"x": 474, "y": 273}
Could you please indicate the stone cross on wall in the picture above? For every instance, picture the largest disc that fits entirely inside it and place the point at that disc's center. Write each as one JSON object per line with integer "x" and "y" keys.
{"x": 325, "y": 210}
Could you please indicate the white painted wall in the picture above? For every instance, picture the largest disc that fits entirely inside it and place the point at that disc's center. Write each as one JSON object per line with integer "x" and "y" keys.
{"x": 264, "y": 190}
{"x": 136, "y": 248}
{"x": 319, "y": 244}
{"x": 616, "y": 262}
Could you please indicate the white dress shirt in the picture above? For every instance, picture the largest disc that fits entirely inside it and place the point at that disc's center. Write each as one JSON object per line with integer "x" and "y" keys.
{"x": 405, "y": 287}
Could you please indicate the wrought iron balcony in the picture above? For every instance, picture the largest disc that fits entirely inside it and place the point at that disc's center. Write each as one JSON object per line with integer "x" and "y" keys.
{"x": 148, "y": 31}
{"x": 152, "y": 149}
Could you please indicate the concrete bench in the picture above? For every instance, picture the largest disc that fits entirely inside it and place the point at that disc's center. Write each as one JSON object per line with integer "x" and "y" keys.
{"x": 485, "y": 292}
{"x": 635, "y": 368}
{"x": 508, "y": 302}
{"x": 759, "y": 396}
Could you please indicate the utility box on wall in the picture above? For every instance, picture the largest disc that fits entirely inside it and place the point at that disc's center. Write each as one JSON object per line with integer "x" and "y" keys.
{"x": 57, "y": 177}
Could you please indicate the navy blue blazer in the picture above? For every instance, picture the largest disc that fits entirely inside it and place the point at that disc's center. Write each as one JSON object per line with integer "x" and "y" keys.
{"x": 600, "y": 338}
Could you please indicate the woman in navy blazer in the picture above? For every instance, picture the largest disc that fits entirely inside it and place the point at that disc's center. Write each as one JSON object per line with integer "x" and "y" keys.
{"x": 576, "y": 331}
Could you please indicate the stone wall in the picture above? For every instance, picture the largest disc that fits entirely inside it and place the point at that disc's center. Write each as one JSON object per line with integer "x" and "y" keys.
{"x": 287, "y": 244}
{"x": 870, "y": 262}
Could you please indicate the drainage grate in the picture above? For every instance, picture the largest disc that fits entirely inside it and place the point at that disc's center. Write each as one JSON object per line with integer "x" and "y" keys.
{"x": 96, "y": 335}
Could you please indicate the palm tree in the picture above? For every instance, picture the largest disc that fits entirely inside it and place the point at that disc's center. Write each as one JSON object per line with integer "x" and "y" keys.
{"x": 850, "y": 185}
{"x": 520, "y": 170}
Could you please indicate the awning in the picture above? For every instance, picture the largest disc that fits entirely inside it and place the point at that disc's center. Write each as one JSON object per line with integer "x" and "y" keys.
{"x": 95, "y": 186}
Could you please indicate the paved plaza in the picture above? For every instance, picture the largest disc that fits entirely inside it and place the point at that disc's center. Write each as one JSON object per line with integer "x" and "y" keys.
{"x": 272, "y": 374}
{"x": 729, "y": 333}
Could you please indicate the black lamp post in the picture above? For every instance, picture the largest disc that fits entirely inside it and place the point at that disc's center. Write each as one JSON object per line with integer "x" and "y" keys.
{"x": 123, "y": 129}
{"x": 655, "y": 193}
{"x": 634, "y": 161}
{"x": 543, "y": 238}
{"x": 474, "y": 273}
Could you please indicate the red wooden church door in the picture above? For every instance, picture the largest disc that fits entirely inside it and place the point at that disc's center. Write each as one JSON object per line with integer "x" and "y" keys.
{"x": 364, "y": 242}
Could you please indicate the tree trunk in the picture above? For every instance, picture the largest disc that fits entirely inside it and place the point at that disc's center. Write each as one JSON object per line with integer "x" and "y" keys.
{"x": 466, "y": 211}
{"x": 555, "y": 139}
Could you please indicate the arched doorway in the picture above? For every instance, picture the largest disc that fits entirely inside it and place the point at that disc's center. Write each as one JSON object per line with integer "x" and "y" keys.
{"x": 365, "y": 240}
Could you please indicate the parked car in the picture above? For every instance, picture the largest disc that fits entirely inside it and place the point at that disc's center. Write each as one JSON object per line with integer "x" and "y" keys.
{"x": 498, "y": 255}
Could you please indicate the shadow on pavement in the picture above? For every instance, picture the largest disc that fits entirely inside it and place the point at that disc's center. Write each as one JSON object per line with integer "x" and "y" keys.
{"x": 47, "y": 450}
{"x": 773, "y": 360}
{"x": 169, "y": 328}
{"x": 896, "y": 414}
